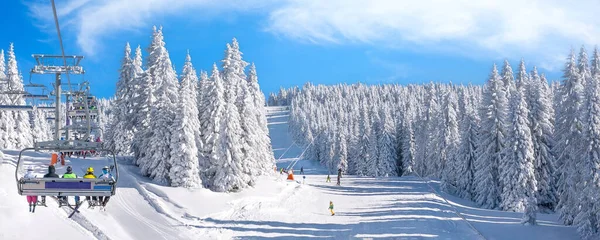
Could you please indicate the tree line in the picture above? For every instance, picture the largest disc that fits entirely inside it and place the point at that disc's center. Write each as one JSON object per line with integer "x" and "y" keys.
{"x": 517, "y": 143}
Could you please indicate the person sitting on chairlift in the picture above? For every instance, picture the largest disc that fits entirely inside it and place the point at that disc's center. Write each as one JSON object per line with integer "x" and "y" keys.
{"x": 51, "y": 174}
{"x": 90, "y": 174}
{"x": 108, "y": 176}
{"x": 70, "y": 174}
{"x": 31, "y": 200}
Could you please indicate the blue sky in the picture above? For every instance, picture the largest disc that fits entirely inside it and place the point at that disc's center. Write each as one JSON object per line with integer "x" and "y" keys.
{"x": 325, "y": 42}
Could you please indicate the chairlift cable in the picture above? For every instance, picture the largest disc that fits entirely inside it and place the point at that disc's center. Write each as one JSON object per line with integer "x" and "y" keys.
{"x": 61, "y": 45}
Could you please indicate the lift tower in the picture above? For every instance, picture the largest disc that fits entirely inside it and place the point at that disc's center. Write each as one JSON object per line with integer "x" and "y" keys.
{"x": 47, "y": 64}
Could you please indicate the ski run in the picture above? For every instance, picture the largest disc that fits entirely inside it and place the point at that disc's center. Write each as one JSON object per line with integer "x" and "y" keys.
{"x": 365, "y": 207}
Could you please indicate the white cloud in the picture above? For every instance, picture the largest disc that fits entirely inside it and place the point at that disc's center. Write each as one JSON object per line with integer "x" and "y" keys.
{"x": 90, "y": 20}
{"x": 540, "y": 31}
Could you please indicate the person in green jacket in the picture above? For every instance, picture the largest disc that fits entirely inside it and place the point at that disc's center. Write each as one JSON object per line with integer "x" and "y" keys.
{"x": 331, "y": 208}
{"x": 70, "y": 174}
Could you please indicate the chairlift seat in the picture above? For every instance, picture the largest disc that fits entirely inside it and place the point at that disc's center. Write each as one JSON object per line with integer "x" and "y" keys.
{"x": 66, "y": 187}
{"x": 36, "y": 96}
{"x": 16, "y": 107}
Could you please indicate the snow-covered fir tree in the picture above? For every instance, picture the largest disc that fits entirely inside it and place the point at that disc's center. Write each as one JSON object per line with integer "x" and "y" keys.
{"x": 24, "y": 137}
{"x": 211, "y": 112}
{"x": 587, "y": 219}
{"x": 5, "y": 123}
{"x": 431, "y": 164}
{"x": 158, "y": 150}
{"x": 517, "y": 177}
{"x": 542, "y": 132}
{"x": 492, "y": 142}
{"x": 40, "y": 126}
{"x": 184, "y": 171}
{"x": 568, "y": 146}
{"x": 508, "y": 79}
{"x": 264, "y": 141}
{"x": 122, "y": 128}
{"x": 364, "y": 141}
{"x": 144, "y": 96}
{"x": 450, "y": 142}
{"x": 466, "y": 155}
{"x": 231, "y": 172}
{"x": 407, "y": 140}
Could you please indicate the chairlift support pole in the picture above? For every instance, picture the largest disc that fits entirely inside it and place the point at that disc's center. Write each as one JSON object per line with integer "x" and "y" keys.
{"x": 57, "y": 108}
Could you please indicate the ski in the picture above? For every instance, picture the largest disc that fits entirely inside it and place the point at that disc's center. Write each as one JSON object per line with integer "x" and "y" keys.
{"x": 76, "y": 209}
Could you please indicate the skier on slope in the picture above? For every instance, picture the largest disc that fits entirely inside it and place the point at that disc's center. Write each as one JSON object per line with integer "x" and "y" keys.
{"x": 328, "y": 178}
{"x": 302, "y": 170}
{"x": 339, "y": 176}
{"x": 331, "y": 208}
{"x": 70, "y": 174}
{"x": 108, "y": 176}
{"x": 32, "y": 200}
{"x": 51, "y": 174}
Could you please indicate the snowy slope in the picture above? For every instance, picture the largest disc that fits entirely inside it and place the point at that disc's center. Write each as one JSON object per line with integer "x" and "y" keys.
{"x": 392, "y": 208}
{"x": 286, "y": 151}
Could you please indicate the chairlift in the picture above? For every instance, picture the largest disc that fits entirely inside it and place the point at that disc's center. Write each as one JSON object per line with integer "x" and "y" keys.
{"x": 63, "y": 187}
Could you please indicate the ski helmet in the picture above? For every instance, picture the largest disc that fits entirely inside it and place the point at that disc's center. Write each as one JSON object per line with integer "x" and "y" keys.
{"x": 69, "y": 169}
{"x": 90, "y": 169}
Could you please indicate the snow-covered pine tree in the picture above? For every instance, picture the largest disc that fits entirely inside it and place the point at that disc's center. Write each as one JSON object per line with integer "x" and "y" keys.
{"x": 431, "y": 134}
{"x": 251, "y": 145}
{"x": 583, "y": 66}
{"x": 408, "y": 140}
{"x": 492, "y": 142}
{"x": 39, "y": 126}
{"x": 372, "y": 160}
{"x": 3, "y": 97}
{"x": 516, "y": 166}
{"x": 184, "y": 170}
{"x": 230, "y": 174}
{"x": 4, "y": 115}
{"x": 542, "y": 131}
{"x": 450, "y": 143}
{"x": 522, "y": 76}
{"x": 587, "y": 219}
{"x": 163, "y": 76}
{"x": 508, "y": 78}
{"x": 23, "y": 137}
{"x": 387, "y": 157}
{"x": 364, "y": 141}
{"x": 201, "y": 89}
{"x": 265, "y": 148}
{"x": 212, "y": 110}
{"x": 144, "y": 99}
{"x": 466, "y": 154}
{"x": 122, "y": 131}
{"x": 239, "y": 167}
{"x": 569, "y": 140}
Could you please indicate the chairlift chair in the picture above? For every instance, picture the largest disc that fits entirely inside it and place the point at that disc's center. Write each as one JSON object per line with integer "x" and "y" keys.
{"x": 62, "y": 187}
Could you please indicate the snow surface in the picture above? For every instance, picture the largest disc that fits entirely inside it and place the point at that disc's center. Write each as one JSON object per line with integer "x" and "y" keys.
{"x": 392, "y": 208}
